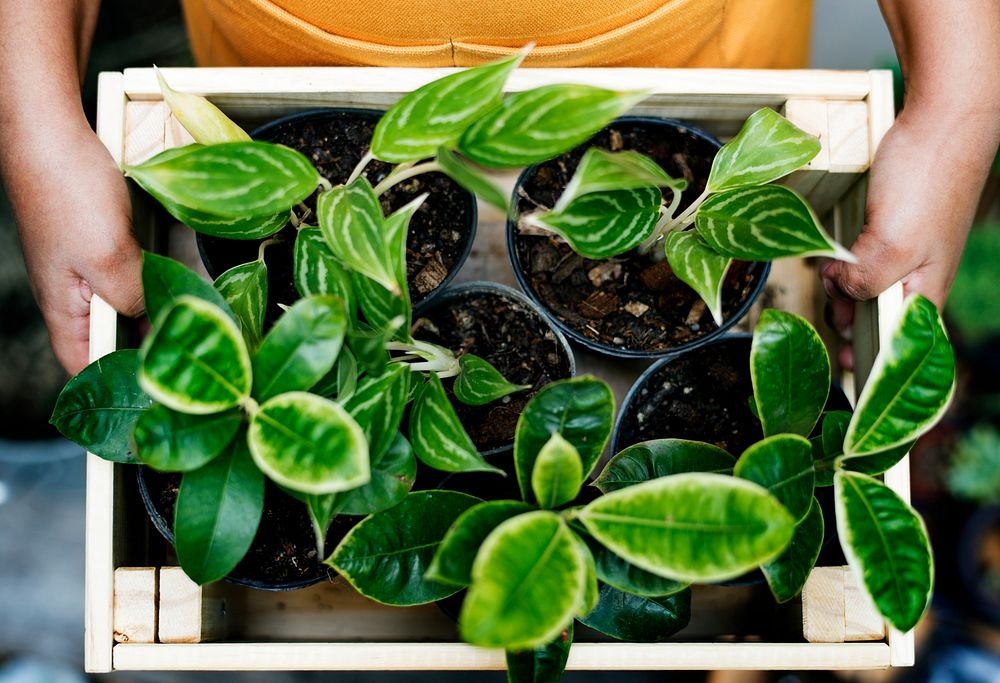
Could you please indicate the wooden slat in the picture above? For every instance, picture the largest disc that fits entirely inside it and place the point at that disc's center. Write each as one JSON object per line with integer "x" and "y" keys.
{"x": 457, "y": 656}
{"x": 848, "y": 131}
{"x": 189, "y": 613}
{"x": 835, "y": 608}
{"x": 135, "y": 604}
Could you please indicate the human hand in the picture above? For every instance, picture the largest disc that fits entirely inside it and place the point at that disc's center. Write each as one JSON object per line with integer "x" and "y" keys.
{"x": 923, "y": 190}
{"x": 73, "y": 213}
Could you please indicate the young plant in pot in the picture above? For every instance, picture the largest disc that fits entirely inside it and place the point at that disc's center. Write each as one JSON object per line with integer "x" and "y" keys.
{"x": 608, "y": 218}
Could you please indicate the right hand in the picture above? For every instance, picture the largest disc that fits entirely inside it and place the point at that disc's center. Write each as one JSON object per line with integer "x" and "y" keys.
{"x": 73, "y": 213}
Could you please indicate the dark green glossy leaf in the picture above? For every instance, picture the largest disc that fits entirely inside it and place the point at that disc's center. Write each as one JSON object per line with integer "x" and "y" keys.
{"x": 377, "y": 405}
{"x": 661, "y": 458}
{"x": 691, "y": 527}
{"x": 453, "y": 560}
{"x": 244, "y": 288}
{"x": 886, "y": 545}
{"x": 790, "y": 369}
{"x": 164, "y": 279}
{"x": 386, "y": 556}
{"x": 538, "y": 124}
{"x": 545, "y": 664}
{"x": 392, "y": 477}
{"x": 316, "y": 271}
{"x": 616, "y": 571}
{"x": 301, "y": 347}
{"x": 176, "y": 442}
{"x": 233, "y": 179}
{"x": 910, "y": 386}
{"x": 829, "y": 445}
{"x": 876, "y": 463}
{"x": 603, "y": 171}
{"x": 437, "y": 113}
{"x": 480, "y": 383}
{"x": 367, "y": 344}
{"x": 218, "y": 509}
{"x": 381, "y": 308}
{"x": 438, "y": 438}
{"x": 528, "y": 582}
{"x": 787, "y": 574}
{"x": 99, "y": 407}
{"x": 309, "y": 444}
{"x": 699, "y": 267}
{"x": 639, "y": 619}
{"x": 195, "y": 360}
{"x": 782, "y": 464}
{"x": 580, "y": 409}
{"x": 471, "y": 178}
{"x": 768, "y": 147}
{"x": 558, "y": 473}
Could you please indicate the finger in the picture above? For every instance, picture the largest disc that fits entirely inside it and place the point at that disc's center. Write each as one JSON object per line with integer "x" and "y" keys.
{"x": 68, "y": 322}
{"x": 879, "y": 266}
{"x": 845, "y": 356}
{"x": 118, "y": 279}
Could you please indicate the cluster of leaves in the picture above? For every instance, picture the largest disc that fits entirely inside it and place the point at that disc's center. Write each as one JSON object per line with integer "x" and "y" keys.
{"x": 615, "y": 202}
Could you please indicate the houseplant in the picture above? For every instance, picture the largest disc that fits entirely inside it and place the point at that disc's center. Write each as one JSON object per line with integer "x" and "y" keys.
{"x": 604, "y": 200}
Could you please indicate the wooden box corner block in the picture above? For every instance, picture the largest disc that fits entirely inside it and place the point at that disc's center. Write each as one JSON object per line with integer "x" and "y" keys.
{"x": 835, "y": 608}
{"x": 189, "y": 613}
{"x": 135, "y": 604}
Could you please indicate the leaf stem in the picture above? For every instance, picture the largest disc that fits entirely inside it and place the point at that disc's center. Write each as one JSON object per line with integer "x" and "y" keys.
{"x": 265, "y": 244}
{"x": 398, "y": 176}
{"x": 365, "y": 160}
{"x": 325, "y": 184}
{"x": 433, "y": 358}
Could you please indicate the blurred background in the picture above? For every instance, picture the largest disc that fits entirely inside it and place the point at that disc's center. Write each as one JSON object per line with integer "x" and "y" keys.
{"x": 956, "y": 468}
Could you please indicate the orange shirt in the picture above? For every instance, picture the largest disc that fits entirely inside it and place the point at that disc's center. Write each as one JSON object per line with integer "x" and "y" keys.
{"x": 660, "y": 33}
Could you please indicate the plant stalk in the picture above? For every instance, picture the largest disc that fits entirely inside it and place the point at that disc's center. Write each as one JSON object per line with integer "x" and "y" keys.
{"x": 398, "y": 176}
{"x": 365, "y": 160}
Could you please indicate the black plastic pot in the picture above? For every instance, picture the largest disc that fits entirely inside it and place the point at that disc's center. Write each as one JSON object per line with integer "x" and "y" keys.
{"x": 537, "y": 326}
{"x": 673, "y": 130}
{"x": 219, "y": 254}
{"x": 338, "y": 529}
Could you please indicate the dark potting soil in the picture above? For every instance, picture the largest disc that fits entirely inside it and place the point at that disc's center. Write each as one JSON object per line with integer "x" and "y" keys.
{"x": 508, "y": 334}
{"x": 284, "y": 549}
{"x": 630, "y": 301}
{"x": 439, "y": 231}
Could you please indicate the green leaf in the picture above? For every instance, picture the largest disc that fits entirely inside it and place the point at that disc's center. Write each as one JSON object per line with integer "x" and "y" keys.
{"x": 368, "y": 344}
{"x": 392, "y": 477}
{"x": 538, "y": 124}
{"x": 218, "y": 509}
{"x": 603, "y": 171}
{"x": 233, "y": 228}
{"x": 377, "y": 405}
{"x": 876, "y": 463}
{"x": 437, "y": 113}
{"x": 176, "y": 442}
{"x": 322, "y": 509}
{"x": 387, "y": 554}
{"x": 886, "y": 545}
{"x": 600, "y": 225}
{"x": 309, "y": 444}
{"x": 316, "y": 271}
{"x": 558, "y": 473}
{"x": 471, "y": 178}
{"x": 99, "y": 407}
{"x": 764, "y": 223}
{"x": 439, "y": 440}
{"x": 768, "y": 147}
{"x": 581, "y": 410}
{"x": 454, "y": 557}
{"x": 164, "y": 279}
{"x": 352, "y": 223}
{"x": 202, "y": 119}
{"x": 232, "y": 179}
{"x": 910, "y": 386}
{"x": 244, "y": 288}
{"x": 790, "y": 370}
{"x": 660, "y": 458}
{"x": 699, "y": 267}
{"x": 480, "y": 383}
{"x": 692, "y": 527}
{"x": 616, "y": 571}
{"x": 787, "y": 574}
{"x": 195, "y": 360}
{"x": 527, "y": 583}
{"x": 590, "y": 595}
{"x": 783, "y": 465}
{"x": 639, "y": 619}
{"x": 829, "y": 446}
{"x": 301, "y": 347}
{"x": 545, "y": 664}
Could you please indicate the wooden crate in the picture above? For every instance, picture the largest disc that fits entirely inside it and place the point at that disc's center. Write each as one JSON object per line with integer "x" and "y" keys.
{"x": 330, "y": 627}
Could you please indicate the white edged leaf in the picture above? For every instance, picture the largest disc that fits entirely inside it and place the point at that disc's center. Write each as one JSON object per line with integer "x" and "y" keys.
{"x": 602, "y": 171}
{"x": 699, "y": 267}
{"x": 244, "y": 287}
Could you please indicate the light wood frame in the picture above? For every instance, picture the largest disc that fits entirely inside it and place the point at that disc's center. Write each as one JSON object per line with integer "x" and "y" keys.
{"x": 850, "y": 111}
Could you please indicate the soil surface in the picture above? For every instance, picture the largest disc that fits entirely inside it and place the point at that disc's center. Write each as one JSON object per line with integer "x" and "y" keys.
{"x": 284, "y": 549}
{"x": 440, "y": 231}
{"x": 508, "y": 334}
{"x": 630, "y": 301}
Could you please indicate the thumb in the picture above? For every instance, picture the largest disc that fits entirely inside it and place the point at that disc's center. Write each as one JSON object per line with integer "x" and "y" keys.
{"x": 118, "y": 279}
{"x": 879, "y": 266}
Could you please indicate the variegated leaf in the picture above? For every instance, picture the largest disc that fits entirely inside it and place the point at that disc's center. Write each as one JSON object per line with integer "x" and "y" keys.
{"x": 601, "y": 171}
{"x": 317, "y": 271}
{"x": 600, "y": 225}
{"x": 542, "y": 123}
{"x": 472, "y": 179}
{"x": 377, "y": 405}
{"x": 764, "y": 223}
{"x": 480, "y": 383}
{"x": 244, "y": 288}
{"x": 200, "y": 118}
{"x": 768, "y": 147}
{"x": 437, "y": 113}
{"x": 238, "y": 228}
{"x": 700, "y": 267}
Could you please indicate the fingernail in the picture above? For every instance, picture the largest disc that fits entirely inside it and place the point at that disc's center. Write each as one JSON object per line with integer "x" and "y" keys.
{"x": 831, "y": 288}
